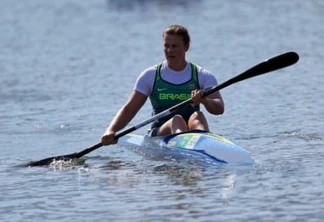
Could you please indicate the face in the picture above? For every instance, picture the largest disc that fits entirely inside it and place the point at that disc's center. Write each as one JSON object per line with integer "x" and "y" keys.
{"x": 174, "y": 49}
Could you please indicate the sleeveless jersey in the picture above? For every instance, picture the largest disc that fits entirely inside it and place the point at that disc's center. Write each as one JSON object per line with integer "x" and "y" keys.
{"x": 166, "y": 95}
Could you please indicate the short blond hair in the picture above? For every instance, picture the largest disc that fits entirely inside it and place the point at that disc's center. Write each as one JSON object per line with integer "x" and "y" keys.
{"x": 178, "y": 30}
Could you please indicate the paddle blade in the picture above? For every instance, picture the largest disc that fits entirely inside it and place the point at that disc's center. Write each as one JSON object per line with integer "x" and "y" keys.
{"x": 47, "y": 161}
{"x": 275, "y": 63}
{"x": 68, "y": 157}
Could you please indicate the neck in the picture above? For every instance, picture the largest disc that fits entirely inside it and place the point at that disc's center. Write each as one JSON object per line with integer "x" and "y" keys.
{"x": 177, "y": 66}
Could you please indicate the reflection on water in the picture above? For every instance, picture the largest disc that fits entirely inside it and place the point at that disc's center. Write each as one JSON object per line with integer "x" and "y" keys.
{"x": 121, "y": 5}
{"x": 114, "y": 165}
{"x": 306, "y": 137}
{"x": 180, "y": 175}
{"x": 171, "y": 180}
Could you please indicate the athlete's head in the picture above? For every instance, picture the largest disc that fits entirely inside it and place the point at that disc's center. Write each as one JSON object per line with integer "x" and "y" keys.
{"x": 176, "y": 42}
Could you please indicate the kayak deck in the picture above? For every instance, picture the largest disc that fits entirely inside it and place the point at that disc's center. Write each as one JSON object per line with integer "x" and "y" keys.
{"x": 194, "y": 145}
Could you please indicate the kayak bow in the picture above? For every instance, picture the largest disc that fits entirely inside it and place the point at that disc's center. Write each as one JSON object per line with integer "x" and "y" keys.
{"x": 196, "y": 145}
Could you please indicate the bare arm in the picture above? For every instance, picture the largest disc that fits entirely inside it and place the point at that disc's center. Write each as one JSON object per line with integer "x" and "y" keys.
{"x": 124, "y": 116}
{"x": 213, "y": 103}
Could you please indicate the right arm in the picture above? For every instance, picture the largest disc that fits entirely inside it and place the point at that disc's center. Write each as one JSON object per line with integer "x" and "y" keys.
{"x": 123, "y": 117}
{"x": 142, "y": 89}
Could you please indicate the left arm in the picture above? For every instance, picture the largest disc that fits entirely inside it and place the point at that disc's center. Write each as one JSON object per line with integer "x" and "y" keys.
{"x": 213, "y": 103}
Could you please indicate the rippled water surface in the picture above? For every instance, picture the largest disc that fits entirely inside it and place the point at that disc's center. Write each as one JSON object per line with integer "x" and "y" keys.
{"x": 66, "y": 67}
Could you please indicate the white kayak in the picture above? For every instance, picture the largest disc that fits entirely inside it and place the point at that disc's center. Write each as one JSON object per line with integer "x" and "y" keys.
{"x": 200, "y": 146}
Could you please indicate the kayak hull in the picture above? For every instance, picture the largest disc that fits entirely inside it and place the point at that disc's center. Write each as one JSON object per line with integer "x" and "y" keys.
{"x": 198, "y": 146}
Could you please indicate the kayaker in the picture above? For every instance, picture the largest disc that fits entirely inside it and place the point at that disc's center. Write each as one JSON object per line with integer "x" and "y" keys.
{"x": 167, "y": 84}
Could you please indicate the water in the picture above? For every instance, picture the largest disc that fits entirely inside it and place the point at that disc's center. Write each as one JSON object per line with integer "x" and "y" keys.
{"x": 67, "y": 67}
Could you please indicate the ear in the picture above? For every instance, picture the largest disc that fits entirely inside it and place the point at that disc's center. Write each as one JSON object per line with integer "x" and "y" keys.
{"x": 187, "y": 47}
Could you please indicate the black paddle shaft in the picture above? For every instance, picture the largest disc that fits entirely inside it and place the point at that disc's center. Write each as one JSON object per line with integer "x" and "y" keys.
{"x": 275, "y": 63}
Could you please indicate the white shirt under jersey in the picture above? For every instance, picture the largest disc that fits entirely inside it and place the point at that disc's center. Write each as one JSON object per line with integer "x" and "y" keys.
{"x": 145, "y": 81}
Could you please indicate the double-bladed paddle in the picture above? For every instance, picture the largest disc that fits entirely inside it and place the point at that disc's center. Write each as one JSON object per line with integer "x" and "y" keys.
{"x": 275, "y": 63}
